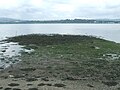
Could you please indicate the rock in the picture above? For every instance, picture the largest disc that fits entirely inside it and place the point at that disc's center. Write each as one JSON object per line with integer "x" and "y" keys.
{"x": 89, "y": 85}
{"x": 17, "y": 60}
{"x": 28, "y": 69}
{"x": 29, "y": 84}
{"x": 2, "y": 67}
{"x": 2, "y": 58}
{"x": 48, "y": 84}
{"x": 16, "y": 89}
{"x": 94, "y": 47}
{"x": 33, "y": 89}
{"x": 45, "y": 79}
{"x": 1, "y": 87}
{"x": 13, "y": 84}
{"x": 110, "y": 83}
{"x": 71, "y": 78}
{"x": 11, "y": 76}
{"x": 3, "y": 51}
{"x": 59, "y": 85}
{"x": 41, "y": 84}
{"x": 13, "y": 62}
{"x": 31, "y": 79}
{"x": 7, "y": 62}
{"x": 19, "y": 76}
{"x": 13, "y": 50}
{"x": 8, "y": 88}
{"x": 118, "y": 88}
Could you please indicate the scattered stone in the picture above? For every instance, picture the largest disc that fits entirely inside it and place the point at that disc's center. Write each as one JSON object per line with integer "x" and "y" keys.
{"x": 14, "y": 80}
{"x": 33, "y": 89}
{"x": 16, "y": 60}
{"x": 1, "y": 42}
{"x": 28, "y": 69}
{"x": 31, "y": 79}
{"x": 71, "y": 78}
{"x": 45, "y": 79}
{"x": 4, "y": 77}
{"x": 29, "y": 84}
{"x": 8, "y": 88}
{"x": 118, "y": 88}
{"x": 2, "y": 67}
{"x": 41, "y": 84}
{"x": 2, "y": 58}
{"x": 59, "y": 85}
{"x": 13, "y": 50}
{"x": 19, "y": 76}
{"x": 110, "y": 83}
{"x": 13, "y": 62}
{"x": 13, "y": 84}
{"x": 89, "y": 85}
{"x": 48, "y": 84}
{"x": 11, "y": 76}
{"x": 94, "y": 47}
{"x": 3, "y": 51}
{"x": 7, "y": 62}
{"x": 1, "y": 87}
{"x": 16, "y": 89}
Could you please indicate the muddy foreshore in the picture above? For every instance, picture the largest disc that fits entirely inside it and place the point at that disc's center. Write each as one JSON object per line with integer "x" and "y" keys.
{"x": 64, "y": 62}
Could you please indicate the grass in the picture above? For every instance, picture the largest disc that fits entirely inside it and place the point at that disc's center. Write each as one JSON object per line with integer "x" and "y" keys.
{"x": 73, "y": 55}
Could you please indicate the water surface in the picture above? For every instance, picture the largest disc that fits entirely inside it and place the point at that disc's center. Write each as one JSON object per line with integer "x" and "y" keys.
{"x": 106, "y": 31}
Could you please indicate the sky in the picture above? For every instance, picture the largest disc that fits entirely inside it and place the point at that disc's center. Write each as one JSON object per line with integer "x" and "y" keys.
{"x": 60, "y": 9}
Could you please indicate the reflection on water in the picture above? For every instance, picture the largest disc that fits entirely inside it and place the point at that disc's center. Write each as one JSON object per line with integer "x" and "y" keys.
{"x": 9, "y": 53}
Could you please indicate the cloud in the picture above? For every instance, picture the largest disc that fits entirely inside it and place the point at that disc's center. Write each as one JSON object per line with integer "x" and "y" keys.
{"x": 59, "y": 9}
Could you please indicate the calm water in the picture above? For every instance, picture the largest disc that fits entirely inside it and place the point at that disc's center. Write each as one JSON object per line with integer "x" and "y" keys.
{"x": 106, "y": 31}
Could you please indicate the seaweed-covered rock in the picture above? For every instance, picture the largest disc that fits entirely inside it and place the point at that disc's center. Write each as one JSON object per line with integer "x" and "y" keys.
{"x": 41, "y": 84}
{"x": 8, "y": 88}
{"x": 110, "y": 83}
{"x": 28, "y": 69}
{"x": 30, "y": 79}
{"x": 16, "y": 89}
{"x": 59, "y": 85}
{"x": 13, "y": 84}
{"x": 33, "y": 89}
{"x": 45, "y": 79}
{"x": 1, "y": 87}
{"x": 89, "y": 85}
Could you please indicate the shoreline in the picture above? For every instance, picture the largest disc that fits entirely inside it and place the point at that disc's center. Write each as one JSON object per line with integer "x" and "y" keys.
{"x": 72, "y": 64}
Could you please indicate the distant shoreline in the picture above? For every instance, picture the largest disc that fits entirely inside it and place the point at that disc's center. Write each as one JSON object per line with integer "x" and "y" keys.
{"x": 71, "y": 21}
{"x": 59, "y": 23}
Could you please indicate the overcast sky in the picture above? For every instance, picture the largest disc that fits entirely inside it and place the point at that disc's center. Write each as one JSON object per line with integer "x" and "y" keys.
{"x": 59, "y": 9}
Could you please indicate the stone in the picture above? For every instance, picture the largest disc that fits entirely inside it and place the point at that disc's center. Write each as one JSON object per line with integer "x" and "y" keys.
{"x": 13, "y": 84}
{"x": 59, "y": 85}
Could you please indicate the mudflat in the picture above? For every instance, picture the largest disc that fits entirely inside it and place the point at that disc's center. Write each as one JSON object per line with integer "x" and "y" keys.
{"x": 64, "y": 62}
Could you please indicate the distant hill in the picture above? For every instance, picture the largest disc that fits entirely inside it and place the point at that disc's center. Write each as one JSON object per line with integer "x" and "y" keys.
{"x": 92, "y": 21}
{"x": 8, "y": 20}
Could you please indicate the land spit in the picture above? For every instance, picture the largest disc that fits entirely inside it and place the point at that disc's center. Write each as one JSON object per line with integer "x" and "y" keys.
{"x": 64, "y": 62}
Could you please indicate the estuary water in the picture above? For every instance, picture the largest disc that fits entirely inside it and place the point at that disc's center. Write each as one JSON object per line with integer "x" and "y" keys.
{"x": 106, "y": 31}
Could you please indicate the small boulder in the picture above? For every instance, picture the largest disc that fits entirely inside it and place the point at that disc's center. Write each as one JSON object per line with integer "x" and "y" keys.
{"x": 89, "y": 85}
{"x": 33, "y": 89}
{"x": 13, "y": 84}
{"x": 59, "y": 85}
